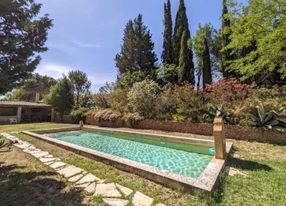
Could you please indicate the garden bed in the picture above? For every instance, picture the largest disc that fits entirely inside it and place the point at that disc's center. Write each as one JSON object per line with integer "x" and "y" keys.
{"x": 231, "y": 131}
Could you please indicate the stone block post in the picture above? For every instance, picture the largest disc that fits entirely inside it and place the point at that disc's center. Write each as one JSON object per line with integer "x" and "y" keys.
{"x": 52, "y": 115}
{"x": 19, "y": 114}
{"x": 219, "y": 138}
{"x": 81, "y": 124}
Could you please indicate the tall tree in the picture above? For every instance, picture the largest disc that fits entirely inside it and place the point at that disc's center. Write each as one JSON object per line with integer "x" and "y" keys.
{"x": 258, "y": 38}
{"x": 181, "y": 26}
{"x": 36, "y": 84}
{"x": 137, "y": 52}
{"x": 61, "y": 96}
{"x": 81, "y": 84}
{"x": 168, "y": 54}
{"x": 204, "y": 45}
{"x": 22, "y": 37}
{"x": 226, "y": 54}
{"x": 186, "y": 66}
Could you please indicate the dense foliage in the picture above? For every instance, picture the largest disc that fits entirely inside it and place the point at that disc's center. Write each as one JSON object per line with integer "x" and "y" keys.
{"x": 28, "y": 89}
{"x": 61, "y": 96}
{"x": 22, "y": 37}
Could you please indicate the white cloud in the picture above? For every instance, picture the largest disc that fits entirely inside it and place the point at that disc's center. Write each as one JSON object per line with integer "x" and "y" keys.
{"x": 86, "y": 44}
{"x": 56, "y": 71}
{"x": 53, "y": 70}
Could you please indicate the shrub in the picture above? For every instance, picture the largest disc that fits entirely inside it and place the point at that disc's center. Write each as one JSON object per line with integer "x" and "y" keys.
{"x": 107, "y": 115}
{"x": 189, "y": 104}
{"x": 133, "y": 118}
{"x": 226, "y": 91}
{"x": 142, "y": 98}
{"x": 78, "y": 114}
{"x": 101, "y": 101}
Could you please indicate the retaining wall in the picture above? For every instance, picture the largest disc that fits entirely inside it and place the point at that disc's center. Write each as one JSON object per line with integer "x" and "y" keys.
{"x": 231, "y": 131}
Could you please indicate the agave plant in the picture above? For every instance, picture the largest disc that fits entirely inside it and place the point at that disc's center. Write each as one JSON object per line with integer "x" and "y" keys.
{"x": 266, "y": 118}
{"x": 4, "y": 144}
{"x": 218, "y": 111}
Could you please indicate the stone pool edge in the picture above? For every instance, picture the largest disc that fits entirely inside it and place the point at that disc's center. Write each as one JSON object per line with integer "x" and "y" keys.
{"x": 207, "y": 181}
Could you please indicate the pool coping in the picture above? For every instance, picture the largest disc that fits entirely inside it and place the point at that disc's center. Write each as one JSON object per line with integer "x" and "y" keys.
{"x": 207, "y": 181}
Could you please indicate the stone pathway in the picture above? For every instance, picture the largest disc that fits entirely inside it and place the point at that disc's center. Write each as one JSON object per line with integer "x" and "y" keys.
{"x": 112, "y": 194}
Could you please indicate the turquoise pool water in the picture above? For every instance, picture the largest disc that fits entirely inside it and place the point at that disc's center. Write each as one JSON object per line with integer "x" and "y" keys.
{"x": 153, "y": 153}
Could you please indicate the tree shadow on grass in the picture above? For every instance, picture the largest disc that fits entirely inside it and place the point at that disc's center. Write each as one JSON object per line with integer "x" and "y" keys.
{"x": 19, "y": 187}
{"x": 245, "y": 164}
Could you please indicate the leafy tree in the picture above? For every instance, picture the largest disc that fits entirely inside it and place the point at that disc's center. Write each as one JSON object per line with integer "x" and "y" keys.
{"x": 22, "y": 38}
{"x": 168, "y": 54}
{"x": 181, "y": 26}
{"x": 61, "y": 96}
{"x": 35, "y": 84}
{"x": 137, "y": 52}
{"x": 186, "y": 65}
{"x": 204, "y": 45}
{"x": 80, "y": 83}
{"x": 258, "y": 39}
{"x": 167, "y": 74}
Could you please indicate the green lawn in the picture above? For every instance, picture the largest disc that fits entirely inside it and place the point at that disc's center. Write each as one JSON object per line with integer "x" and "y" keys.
{"x": 265, "y": 184}
{"x": 31, "y": 126}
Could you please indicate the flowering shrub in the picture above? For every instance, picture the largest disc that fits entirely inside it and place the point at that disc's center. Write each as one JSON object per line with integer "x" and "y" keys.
{"x": 142, "y": 98}
{"x": 225, "y": 91}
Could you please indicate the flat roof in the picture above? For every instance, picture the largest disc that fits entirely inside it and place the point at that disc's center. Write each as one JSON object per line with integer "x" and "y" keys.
{"x": 23, "y": 104}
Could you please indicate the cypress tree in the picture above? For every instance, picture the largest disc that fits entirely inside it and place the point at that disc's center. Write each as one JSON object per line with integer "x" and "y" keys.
{"x": 167, "y": 55}
{"x": 226, "y": 32}
{"x": 186, "y": 65}
{"x": 207, "y": 71}
{"x": 137, "y": 52}
{"x": 181, "y": 25}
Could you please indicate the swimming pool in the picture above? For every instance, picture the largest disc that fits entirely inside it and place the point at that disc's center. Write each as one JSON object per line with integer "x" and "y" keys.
{"x": 174, "y": 161}
{"x": 184, "y": 159}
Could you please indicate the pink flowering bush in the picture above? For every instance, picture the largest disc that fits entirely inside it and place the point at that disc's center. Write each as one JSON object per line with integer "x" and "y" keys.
{"x": 226, "y": 91}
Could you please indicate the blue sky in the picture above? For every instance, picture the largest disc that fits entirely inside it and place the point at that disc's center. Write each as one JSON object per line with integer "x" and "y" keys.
{"x": 87, "y": 34}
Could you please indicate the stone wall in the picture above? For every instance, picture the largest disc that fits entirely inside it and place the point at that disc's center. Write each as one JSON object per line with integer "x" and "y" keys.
{"x": 231, "y": 131}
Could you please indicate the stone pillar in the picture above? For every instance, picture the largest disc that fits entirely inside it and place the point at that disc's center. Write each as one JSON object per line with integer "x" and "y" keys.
{"x": 53, "y": 115}
{"x": 19, "y": 114}
{"x": 81, "y": 124}
{"x": 219, "y": 138}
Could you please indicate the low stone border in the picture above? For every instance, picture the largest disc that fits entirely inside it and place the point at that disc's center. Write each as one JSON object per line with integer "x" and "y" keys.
{"x": 111, "y": 193}
{"x": 206, "y": 182}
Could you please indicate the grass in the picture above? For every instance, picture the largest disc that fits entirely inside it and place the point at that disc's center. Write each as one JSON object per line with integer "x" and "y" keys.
{"x": 265, "y": 183}
{"x": 32, "y": 126}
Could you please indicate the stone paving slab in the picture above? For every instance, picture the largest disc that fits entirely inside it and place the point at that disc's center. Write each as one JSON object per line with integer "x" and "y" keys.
{"x": 126, "y": 191}
{"x": 57, "y": 165}
{"x": 90, "y": 189}
{"x": 75, "y": 178}
{"x": 115, "y": 201}
{"x": 160, "y": 204}
{"x": 45, "y": 160}
{"x": 82, "y": 185}
{"x": 40, "y": 154}
{"x": 70, "y": 171}
{"x": 88, "y": 178}
{"x": 107, "y": 190}
{"x": 140, "y": 199}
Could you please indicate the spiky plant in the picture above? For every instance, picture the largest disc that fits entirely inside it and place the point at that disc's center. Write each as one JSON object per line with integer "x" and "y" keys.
{"x": 266, "y": 118}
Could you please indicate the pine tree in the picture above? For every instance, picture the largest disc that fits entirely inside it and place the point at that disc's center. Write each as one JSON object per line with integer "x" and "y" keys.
{"x": 23, "y": 33}
{"x": 167, "y": 55}
{"x": 137, "y": 56}
{"x": 181, "y": 25}
{"x": 186, "y": 66}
